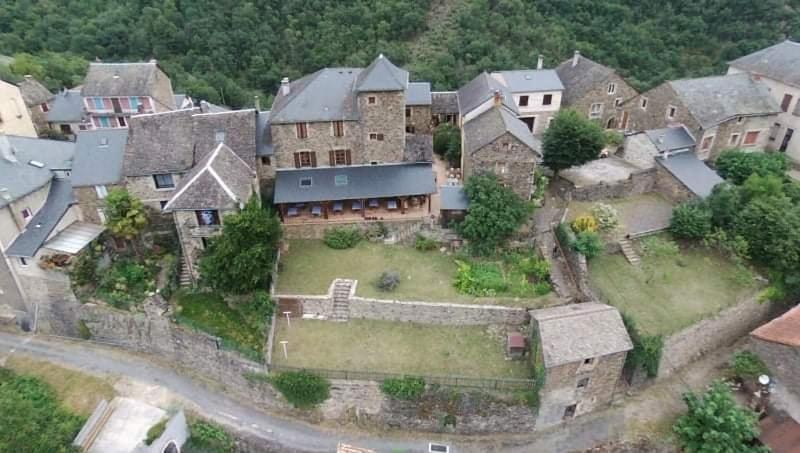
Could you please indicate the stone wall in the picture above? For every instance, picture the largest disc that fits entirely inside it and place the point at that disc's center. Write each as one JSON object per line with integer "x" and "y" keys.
{"x": 435, "y": 313}
{"x": 599, "y": 94}
{"x": 637, "y": 183}
{"x": 654, "y": 116}
{"x": 731, "y": 324}
{"x": 420, "y": 119}
{"x": 580, "y": 271}
{"x": 669, "y": 186}
{"x": 144, "y": 188}
{"x": 317, "y": 230}
{"x": 387, "y": 116}
{"x": 783, "y": 361}
{"x": 507, "y": 157}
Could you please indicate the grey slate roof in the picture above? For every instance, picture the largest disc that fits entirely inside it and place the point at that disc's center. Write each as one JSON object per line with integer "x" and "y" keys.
{"x": 780, "y": 62}
{"x": 444, "y": 102}
{"x": 479, "y": 90}
{"x": 582, "y": 77}
{"x": 671, "y": 138}
{"x": 17, "y": 177}
{"x": 66, "y": 107}
{"x": 239, "y": 127}
{"x": 120, "y": 79}
{"x": 33, "y": 92}
{"x": 363, "y": 181}
{"x": 382, "y": 75}
{"x": 221, "y": 180}
{"x": 692, "y": 172}
{"x": 59, "y": 199}
{"x": 453, "y": 198}
{"x": 529, "y": 80}
{"x": 571, "y": 333}
{"x": 712, "y": 100}
{"x": 208, "y": 107}
{"x": 326, "y": 95}
{"x": 97, "y": 163}
{"x": 418, "y": 93}
{"x": 493, "y": 123}
{"x": 159, "y": 143}
{"x": 263, "y": 135}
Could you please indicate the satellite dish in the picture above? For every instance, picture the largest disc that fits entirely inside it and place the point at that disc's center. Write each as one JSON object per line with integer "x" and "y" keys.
{"x": 763, "y": 379}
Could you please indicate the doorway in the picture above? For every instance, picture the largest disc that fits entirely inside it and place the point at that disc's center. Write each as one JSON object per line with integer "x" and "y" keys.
{"x": 786, "y": 138}
{"x": 624, "y": 123}
{"x": 529, "y": 121}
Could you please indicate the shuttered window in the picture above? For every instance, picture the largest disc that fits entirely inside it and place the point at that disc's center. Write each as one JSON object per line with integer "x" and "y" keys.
{"x": 339, "y": 157}
{"x": 302, "y": 130}
{"x": 305, "y": 159}
{"x": 338, "y": 128}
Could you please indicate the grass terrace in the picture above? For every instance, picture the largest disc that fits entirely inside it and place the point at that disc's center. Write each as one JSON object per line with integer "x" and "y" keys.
{"x": 383, "y": 346}
{"x": 637, "y": 214}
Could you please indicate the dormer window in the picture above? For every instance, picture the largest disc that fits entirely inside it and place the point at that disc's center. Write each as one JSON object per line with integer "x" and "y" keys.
{"x": 305, "y": 182}
{"x": 164, "y": 181}
{"x": 219, "y": 136}
{"x": 207, "y": 217}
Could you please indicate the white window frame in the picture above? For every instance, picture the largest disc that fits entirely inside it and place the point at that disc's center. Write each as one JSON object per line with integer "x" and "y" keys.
{"x": 735, "y": 138}
{"x": 710, "y": 139}
{"x": 643, "y": 103}
{"x": 618, "y": 102}
{"x": 670, "y": 108}
{"x": 598, "y": 113}
{"x": 102, "y": 191}
{"x": 23, "y": 262}
{"x": 219, "y": 136}
{"x": 333, "y": 129}
{"x": 29, "y": 215}
{"x": 755, "y": 143}
{"x": 612, "y": 88}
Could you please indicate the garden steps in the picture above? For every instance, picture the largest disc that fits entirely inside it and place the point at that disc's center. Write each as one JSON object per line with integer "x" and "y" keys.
{"x": 185, "y": 278}
{"x": 341, "y": 300}
{"x": 629, "y": 251}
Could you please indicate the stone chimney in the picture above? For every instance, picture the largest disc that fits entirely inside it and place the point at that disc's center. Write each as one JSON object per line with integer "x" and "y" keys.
{"x": 257, "y": 103}
{"x": 285, "y": 88}
{"x": 540, "y": 62}
{"x": 575, "y": 57}
{"x": 498, "y": 98}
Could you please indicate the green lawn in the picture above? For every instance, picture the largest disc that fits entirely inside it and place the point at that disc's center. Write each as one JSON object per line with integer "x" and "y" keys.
{"x": 668, "y": 293}
{"x": 310, "y": 266}
{"x": 366, "y": 345}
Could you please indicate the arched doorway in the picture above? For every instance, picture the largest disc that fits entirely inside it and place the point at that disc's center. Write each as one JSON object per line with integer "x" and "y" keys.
{"x": 611, "y": 123}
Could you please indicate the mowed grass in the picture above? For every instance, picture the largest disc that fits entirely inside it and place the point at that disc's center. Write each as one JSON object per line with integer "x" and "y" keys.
{"x": 383, "y": 346}
{"x": 78, "y": 392}
{"x": 310, "y": 266}
{"x": 668, "y": 293}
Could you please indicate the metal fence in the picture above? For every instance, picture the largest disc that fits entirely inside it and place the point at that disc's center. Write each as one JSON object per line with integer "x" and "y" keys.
{"x": 447, "y": 381}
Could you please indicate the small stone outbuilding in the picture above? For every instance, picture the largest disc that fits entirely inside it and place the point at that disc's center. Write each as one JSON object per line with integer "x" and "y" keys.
{"x": 777, "y": 343}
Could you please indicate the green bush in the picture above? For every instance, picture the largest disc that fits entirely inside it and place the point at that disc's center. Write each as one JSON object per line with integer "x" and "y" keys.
{"x": 588, "y": 243}
{"x": 606, "y": 215}
{"x": 376, "y": 231}
{"x": 83, "y": 330}
{"x": 736, "y": 165}
{"x": 156, "y": 431}
{"x": 535, "y": 267}
{"x": 647, "y": 349}
{"x": 447, "y": 143}
{"x": 657, "y": 246}
{"x": 479, "y": 279}
{"x": 388, "y": 281}
{"x": 424, "y": 244}
{"x": 565, "y": 235}
{"x": 342, "y": 238}
{"x": 691, "y": 220}
{"x": 747, "y": 365}
{"x": 125, "y": 283}
{"x": 208, "y": 437}
{"x": 301, "y": 388}
{"x": 84, "y": 268}
{"x": 262, "y": 307}
{"x": 407, "y": 388}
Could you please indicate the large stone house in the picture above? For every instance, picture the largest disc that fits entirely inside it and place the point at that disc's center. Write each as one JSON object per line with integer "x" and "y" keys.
{"x": 778, "y": 67}
{"x": 67, "y": 112}
{"x": 419, "y": 119}
{"x": 37, "y": 99}
{"x": 721, "y": 112}
{"x": 339, "y": 146}
{"x": 14, "y": 116}
{"x": 97, "y": 169}
{"x": 582, "y": 348}
{"x": 593, "y": 89}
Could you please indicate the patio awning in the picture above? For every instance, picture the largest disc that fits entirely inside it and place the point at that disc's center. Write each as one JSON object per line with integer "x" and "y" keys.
{"x": 74, "y": 238}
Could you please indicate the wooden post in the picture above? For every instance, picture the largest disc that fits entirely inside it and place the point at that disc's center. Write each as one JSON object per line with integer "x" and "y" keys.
{"x": 402, "y": 205}
{"x": 363, "y": 208}
{"x": 428, "y": 198}
{"x": 282, "y": 211}
{"x": 325, "y": 210}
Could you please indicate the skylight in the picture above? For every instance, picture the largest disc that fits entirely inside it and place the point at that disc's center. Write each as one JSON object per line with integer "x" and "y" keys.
{"x": 340, "y": 180}
{"x": 305, "y": 182}
{"x": 36, "y": 164}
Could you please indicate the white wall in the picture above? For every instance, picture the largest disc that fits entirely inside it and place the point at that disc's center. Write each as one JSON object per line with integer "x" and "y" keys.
{"x": 16, "y": 120}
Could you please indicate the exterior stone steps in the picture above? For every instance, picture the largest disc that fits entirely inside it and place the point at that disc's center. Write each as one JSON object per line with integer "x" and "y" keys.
{"x": 629, "y": 252}
{"x": 341, "y": 300}
{"x": 185, "y": 279}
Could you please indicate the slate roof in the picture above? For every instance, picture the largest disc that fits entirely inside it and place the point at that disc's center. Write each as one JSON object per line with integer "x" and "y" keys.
{"x": 382, "y": 75}
{"x": 98, "y": 157}
{"x": 362, "y": 181}
{"x": 159, "y": 143}
{"x": 692, "y": 172}
{"x": 181, "y": 99}
{"x": 418, "y": 93}
{"x": 222, "y": 180}
{"x": 571, "y": 333}
{"x": 582, "y": 77}
{"x": 493, "y": 123}
{"x": 325, "y": 95}
{"x": 66, "y": 107}
{"x": 444, "y": 102}
{"x": 780, "y": 62}
{"x": 783, "y": 330}
{"x": 17, "y": 176}
{"x": 120, "y": 79}
{"x": 479, "y": 90}
{"x": 529, "y": 80}
{"x": 671, "y": 138}
{"x": 712, "y": 100}
{"x": 59, "y": 199}
{"x": 263, "y": 135}
{"x": 33, "y": 92}
{"x": 238, "y": 126}
{"x": 208, "y": 107}
{"x": 453, "y": 198}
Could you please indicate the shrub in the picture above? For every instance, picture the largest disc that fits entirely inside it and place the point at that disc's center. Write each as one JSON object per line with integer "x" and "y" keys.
{"x": 407, "y": 388}
{"x": 584, "y": 223}
{"x": 691, "y": 220}
{"x": 657, "y": 246}
{"x": 736, "y": 165}
{"x": 83, "y": 330}
{"x": 84, "y": 268}
{"x": 533, "y": 266}
{"x": 447, "y": 143}
{"x": 377, "y": 231}
{"x": 424, "y": 244}
{"x": 156, "y": 431}
{"x": 572, "y": 139}
{"x": 301, "y": 388}
{"x": 588, "y": 243}
{"x": 479, "y": 279}
{"x": 747, "y": 365}
{"x": 125, "y": 283}
{"x": 388, "y": 280}
{"x": 565, "y": 235}
{"x": 606, "y": 216}
{"x": 206, "y": 436}
{"x": 342, "y": 238}
{"x": 614, "y": 138}
{"x": 262, "y": 306}
{"x": 647, "y": 349}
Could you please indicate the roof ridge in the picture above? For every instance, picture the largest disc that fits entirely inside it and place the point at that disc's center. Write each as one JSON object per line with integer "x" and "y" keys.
{"x": 582, "y": 310}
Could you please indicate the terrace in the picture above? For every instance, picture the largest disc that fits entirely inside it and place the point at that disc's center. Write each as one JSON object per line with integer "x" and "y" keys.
{"x": 349, "y": 211}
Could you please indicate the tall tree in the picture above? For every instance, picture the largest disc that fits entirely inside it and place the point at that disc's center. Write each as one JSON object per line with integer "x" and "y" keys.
{"x": 125, "y": 214}
{"x": 571, "y": 140}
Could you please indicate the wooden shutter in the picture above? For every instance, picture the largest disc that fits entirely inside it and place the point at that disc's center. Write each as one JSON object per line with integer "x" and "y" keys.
{"x": 296, "y": 160}
{"x": 348, "y": 160}
{"x": 313, "y": 158}
{"x": 332, "y": 157}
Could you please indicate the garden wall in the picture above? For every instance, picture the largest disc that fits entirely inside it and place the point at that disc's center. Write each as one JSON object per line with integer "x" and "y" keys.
{"x": 579, "y": 267}
{"x": 637, "y": 183}
{"x": 317, "y": 230}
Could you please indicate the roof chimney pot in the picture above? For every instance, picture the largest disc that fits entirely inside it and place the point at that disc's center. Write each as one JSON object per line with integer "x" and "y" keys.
{"x": 285, "y": 88}
{"x": 540, "y": 62}
{"x": 498, "y": 98}
{"x": 575, "y": 57}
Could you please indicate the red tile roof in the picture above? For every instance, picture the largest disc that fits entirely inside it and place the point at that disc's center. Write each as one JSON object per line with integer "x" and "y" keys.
{"x": 783, "y": 330}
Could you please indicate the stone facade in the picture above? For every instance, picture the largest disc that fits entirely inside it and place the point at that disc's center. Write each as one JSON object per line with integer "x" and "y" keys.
{"x": 507, "y": 157}
{"x": 669, "y": 186}
{"x": 386, "y": 117}
{"x": 420, "y": 119}
{"x": 144, "y": 188}
{"x": 724, "y": 135}
{"x": 320, "y": 140}
{"x": 317, "y": 230}
{"x": 654, "y": 115}
{"x": 637, "y": 183}
{"x": 782, "y": 360}
{"x": 610, "y": 113}
{"x": 89, "y": 203}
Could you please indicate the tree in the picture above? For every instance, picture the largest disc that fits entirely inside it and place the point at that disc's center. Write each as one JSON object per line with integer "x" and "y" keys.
{"x": 691, "y": 219}
{"x": 571, "y": 140}
{"x": 736, "y": 165}
{"x": 447, "y": 143}
{"x": 125, "y": 214}
{"x": 715, "y": 423}
{"x": 495, "y": 213}
{"x": 241, "y": 258}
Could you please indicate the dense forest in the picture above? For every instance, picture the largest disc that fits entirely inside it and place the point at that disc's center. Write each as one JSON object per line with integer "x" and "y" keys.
{"x": 226, "y": 51}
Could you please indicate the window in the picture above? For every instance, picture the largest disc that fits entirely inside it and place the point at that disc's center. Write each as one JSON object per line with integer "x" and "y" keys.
{"x": 671, "y": 111}
{"x": 569, "y": 411}
{"x": 164, "y": 181}
{"x": 596, "y": 110}
{"x": 787, "y": 99}
{"x": 301, "y": 130}
{"x": 340, "y": 180}
{"x": 134, "y": 103}
{"x": 101, "y": 215}
{"x": 105, "y": 121}
{"x": 340, "y": 157}
{"x": 583, "y": 383}
{"x": 500, "y": 168}
{"x": 207, "y": 217}
{"x": 162, "y": 203}
{"x": 734, "y": 140}
{"x": 265, "y": 160}
{"x": 588, "y": 361}
{"x": 612, "y": 88}
{"x": 65, "y": 129}
{"x": 23, "y": 262}
{"x": 408, "y": 112}
{"x": 122, "y": 122}
{"x": 750, "y": 138}
{"x": 98, "y": 103}
{"x": 739, "y": 120}
{"x": 618, "y": 102}
{"x": 707, "y": 142}
{"x": 338, "y": 128}
{"x": 305, "y": 182}
{"x": 305, "y": 159}
{"x": 523, "y": 101}
{"x": 45, "y": 108}
{"x": 219, "y": 136}
{"x": 643, "y": 104}
{"x": 26, "y": 214}
{"x": 773, "y": 131}
{"x": 547, "y": 99}
{"x": 411, "y": 129}
{"x": 102, "y": 191}
{"x": 372, "y": 100}
{"x": 374, "y": 136}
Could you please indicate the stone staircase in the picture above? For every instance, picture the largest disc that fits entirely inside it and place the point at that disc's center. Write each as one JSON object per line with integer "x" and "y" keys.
{"x": 341, "y": 300}
{"x": 185, "y": 277}
{"x": 629, "y": 251}
{"x": 404, "y": 233}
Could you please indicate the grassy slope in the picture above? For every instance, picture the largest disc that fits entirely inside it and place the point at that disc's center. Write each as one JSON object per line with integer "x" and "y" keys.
{"x": 210, "y": 313}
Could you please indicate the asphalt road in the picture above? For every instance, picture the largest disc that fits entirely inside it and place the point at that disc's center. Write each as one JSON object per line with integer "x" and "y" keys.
{"x": 294, "y": 435}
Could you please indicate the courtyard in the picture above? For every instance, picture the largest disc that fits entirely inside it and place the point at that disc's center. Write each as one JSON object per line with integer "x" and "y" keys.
{"x": 390, "y": 347}
{"x": 637, "y": 213}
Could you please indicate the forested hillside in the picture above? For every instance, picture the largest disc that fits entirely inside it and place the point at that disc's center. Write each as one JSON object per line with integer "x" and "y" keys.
{"x": 228, "y": 50}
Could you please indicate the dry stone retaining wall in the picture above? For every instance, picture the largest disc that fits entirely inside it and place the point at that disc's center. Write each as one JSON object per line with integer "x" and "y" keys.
{"x": 637, "y": 183}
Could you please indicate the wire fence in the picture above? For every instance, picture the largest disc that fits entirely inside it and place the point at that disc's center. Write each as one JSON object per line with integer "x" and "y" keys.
{"x": 447, "y": 381}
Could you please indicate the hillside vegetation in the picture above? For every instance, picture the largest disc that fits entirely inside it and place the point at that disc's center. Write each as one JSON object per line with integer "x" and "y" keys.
{"x": 227, "y": 51}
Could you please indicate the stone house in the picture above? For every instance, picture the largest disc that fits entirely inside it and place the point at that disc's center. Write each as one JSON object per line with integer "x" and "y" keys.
{"x": 593, "y": 89}
{"x": 444, "y": 108}
{"x": 67, "y": 113}
{"x": 97, "y": 169}
{"x": 37, "y": 99}
{"x": 419, "y": 119}
{"x": 721, "y": 112}
{"x": 777, "y": 67}
{"x": 496, "y": 141}
{"x": 582, "y": 348}
{"x": 777, "y": 343}
{"x": 14, "y": 116}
